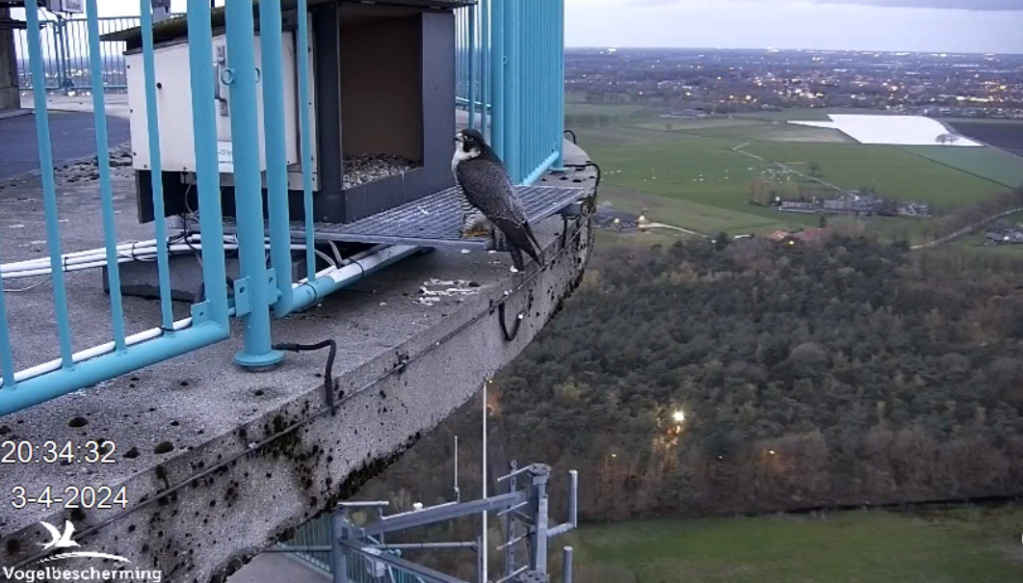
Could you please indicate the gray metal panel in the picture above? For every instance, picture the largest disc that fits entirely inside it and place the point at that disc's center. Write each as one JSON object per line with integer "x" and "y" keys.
{"x": 434, "y": 221}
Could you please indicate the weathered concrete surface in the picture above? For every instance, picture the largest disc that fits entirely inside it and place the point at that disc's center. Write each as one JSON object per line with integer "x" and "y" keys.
{"x": 243, "y": 457}
{"x": 9, "y": 97}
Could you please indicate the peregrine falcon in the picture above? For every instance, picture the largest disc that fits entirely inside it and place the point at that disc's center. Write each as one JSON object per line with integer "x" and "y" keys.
{"x": 488, "y": 197}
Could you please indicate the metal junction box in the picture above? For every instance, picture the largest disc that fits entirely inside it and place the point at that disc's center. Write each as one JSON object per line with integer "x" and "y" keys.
{"x": 382, "y": 107}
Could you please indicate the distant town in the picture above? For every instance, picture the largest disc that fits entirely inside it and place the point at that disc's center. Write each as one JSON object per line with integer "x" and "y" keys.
{"x": 743, "y": 81}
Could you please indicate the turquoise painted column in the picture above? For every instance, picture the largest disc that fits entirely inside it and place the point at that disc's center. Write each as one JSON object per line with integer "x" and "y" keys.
{"x": 559, "y": 91}
{"x": 240, "y": 76}
{"x": 276, "y": 158}
{"x": 485, "y": 65}
{"x": 305, "y": 127}
{"x": 156, "y": 166}
{"x": 207, "y": 172}
{"x": 472, "y": 66}
{"x": 99, "y": 110}
{"x": 42, "y": 119}
{"x": 497, "y": 71}
{"x": 513, "y": 89}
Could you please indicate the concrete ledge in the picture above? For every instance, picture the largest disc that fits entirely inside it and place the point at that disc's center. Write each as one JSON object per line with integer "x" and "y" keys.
{"x": 219, "y": 463}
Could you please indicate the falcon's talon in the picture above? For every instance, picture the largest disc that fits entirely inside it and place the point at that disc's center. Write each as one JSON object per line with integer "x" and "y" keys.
{"x": 475, "y": 233}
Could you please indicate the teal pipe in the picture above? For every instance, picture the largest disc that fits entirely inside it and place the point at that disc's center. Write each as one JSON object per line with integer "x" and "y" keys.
{"x": 471, "y": 94}
{"x": 156, "y": 165}
{"x": 42, "y": 119}
{"x": 302, "y": 54}
{"x": 276, "y": 158}
{"x": 309, "y": 293}
{"x": 103, "y": 163}
{"x": 89, "y": 372}
{"x": 497, "y": 71}
{"x": 542, "y": 169}
{"x": 207, "y": 170}
{"x": 513, "y": 89}
{"x": 240, "y": 75}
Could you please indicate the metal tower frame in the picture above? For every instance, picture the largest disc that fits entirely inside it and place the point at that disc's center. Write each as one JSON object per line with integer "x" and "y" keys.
{"x": 523, "y": 510}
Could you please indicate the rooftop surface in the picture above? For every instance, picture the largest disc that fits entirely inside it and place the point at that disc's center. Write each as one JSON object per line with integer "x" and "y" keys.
{"x": 219, "y": 462}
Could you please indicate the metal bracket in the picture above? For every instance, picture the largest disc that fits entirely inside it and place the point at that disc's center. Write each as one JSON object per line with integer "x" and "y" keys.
{"x": 201, "y": 313}
{"x": 242, "y": 305}
{"x": 218, "y": 71}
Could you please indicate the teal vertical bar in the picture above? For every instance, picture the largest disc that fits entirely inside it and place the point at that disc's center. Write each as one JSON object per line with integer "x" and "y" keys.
{"x": 559, "y": 88}
{"x": 302, "y": 54}
{"x": 513, "y": 89}
{"x": 103, "y": 162}
{"x": 248, "y": 191}
{"x": 484, "y": 66}
{"x": 472, "y": 66}
{"x": 156, "y": 165}
{"x": 497, "y": 70}
{"x": 6, "y": 356}
{"x": 35, "y": 50}
{"x": 272, "y": 49}
{"x": 204, "y": 131}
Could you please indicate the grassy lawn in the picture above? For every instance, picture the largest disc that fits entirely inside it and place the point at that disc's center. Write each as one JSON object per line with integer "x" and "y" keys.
{"x": 996, "y": 165}
{"x": 954, "y": 546}
{"x": 692, "y": 178}
{"x": 891, "y": 170}
{"x": 702, "y": 218}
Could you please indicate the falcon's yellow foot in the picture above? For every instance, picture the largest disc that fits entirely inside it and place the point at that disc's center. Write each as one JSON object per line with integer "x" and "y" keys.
{"x": 475, "y": 232}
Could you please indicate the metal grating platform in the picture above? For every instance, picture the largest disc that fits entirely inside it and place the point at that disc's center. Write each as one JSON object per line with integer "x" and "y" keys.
{"x": 434, "y": 220}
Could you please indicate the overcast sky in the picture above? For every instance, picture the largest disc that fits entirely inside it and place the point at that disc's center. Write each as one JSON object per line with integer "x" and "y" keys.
{"x": 892, "y": 25}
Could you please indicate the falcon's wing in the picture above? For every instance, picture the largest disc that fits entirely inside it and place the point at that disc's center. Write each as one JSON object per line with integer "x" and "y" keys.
{"x": 486, "y": 186}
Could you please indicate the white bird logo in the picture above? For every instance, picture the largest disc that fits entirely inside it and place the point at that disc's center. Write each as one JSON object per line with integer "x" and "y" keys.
{"x": 60, "y": 540}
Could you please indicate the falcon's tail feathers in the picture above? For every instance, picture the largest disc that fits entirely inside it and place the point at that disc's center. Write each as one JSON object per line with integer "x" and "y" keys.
{"x": 529, "y": 231}
{"x": 519, "y": 237}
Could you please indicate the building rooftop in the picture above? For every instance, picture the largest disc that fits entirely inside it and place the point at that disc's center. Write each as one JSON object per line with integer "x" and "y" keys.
{"x": 177, "y": 26}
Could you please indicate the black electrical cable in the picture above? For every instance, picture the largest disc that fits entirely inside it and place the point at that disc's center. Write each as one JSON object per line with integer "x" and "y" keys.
{"x": 574, "y": 140}
{"x": 509, "y": 336}
{"x": 328, "y": 375}
{"x": 587, "y": 164}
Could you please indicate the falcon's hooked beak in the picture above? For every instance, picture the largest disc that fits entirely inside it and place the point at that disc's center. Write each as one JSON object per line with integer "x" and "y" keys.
{"x": 459, "y": 138}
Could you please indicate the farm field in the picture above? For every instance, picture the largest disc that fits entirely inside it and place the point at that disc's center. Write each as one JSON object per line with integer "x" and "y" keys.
{"x": 890, "y": 170}
{"x": 1001, "y": 167}
{"x": 1007, "y": 135}
{"x": 961, "y": 545}
{"x": 687, "y": 172}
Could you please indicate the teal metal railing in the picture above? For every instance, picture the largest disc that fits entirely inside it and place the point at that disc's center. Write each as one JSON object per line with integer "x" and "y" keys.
{"x": 523, "y": 95}
{"x": 67, "y": 56}
{"x": 511, "y": 66}
{"x": 208, "y": 322}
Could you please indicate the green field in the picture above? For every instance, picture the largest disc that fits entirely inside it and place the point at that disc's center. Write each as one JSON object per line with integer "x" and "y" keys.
{"x": 996, "y": 165}
{"x": 954, "y": 546}
{"x": 688, "y": 173}
{"x": 890, "y": 170}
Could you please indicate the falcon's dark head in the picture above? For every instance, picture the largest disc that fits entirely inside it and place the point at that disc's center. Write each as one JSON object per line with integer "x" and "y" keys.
{"x": 470, "y": 144}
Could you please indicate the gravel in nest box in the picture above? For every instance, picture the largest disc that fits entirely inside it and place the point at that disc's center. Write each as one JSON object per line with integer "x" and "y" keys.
{"x": 371, "y": 167}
